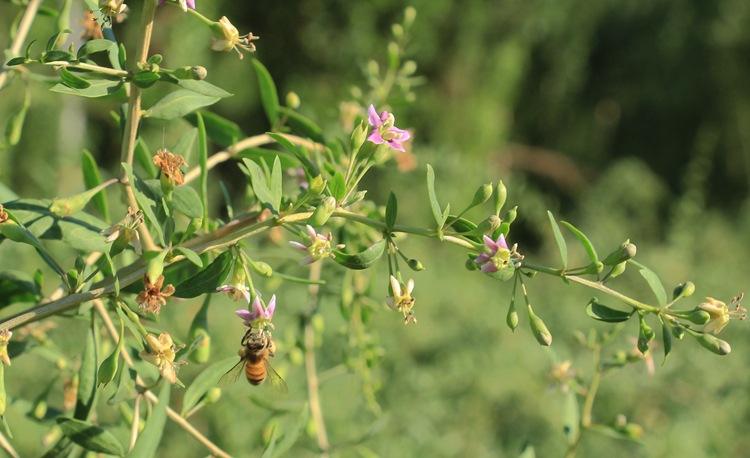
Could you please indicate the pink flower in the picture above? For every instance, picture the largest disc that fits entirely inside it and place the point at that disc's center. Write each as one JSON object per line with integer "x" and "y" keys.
{"x": 317, "y": 248}
{"x": 185, "y": 4}
{"x": 385, "y": 131}
{"x": 496, "y": 256}
{"x": 258, "y": 314}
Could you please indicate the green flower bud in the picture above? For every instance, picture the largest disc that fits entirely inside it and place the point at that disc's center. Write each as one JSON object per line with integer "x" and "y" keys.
{"x": 510, "y": 215}
{"x": 73, "y": 204}
{"x": 410, "y": 13}
{"x": 213, "y": 395}
{"x": 511, "y": 319}
{"x": 712, "y": 343}
{"x": 199, "y": 329}
{"x": 40, "y": 409}
{"x": 155, "y": 266}
{"x": 409, "y": 68}
{"x": 323, "y": 211}
{"x": 645, "y": 335}
{"x": 626, "y": 251}
{"x": 501, "y": 193}
{"x": 471, "y": 264}
{"x": 296, "y": 356}
{"x": 262, "y": 268}
{"x": 698, "y": 316}
{"x": 359, "y": 135}
{"x": 678, "y": 332}
{"x": 542, "y": 334}
{"x": 155, "y": 59}
{"x": 685, "y": 289}
{"x": 317, "y": 185}
{"x": 415, "y": 265}
{"x": 482, "y": 194}
{"x": 108, "y": 367}
{"x": 292, "y": 100}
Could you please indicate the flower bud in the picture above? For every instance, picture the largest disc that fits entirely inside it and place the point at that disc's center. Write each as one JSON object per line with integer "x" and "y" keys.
{"x": 397, "y": 30}
{"x": 482, "y": 194}
{"x": 155, "y": 266}
{"x": 471, "y": 264}
{"x": 712, "y": 343}
{"x": 645, "y": 335}
{"x": 199, "y": 329}
{"x": 359, "y": 135}
{"x": 698, "y": 316}
{"x": 323, "y": 211}
{"x": 618, "y": 269}
{"x": 317, "y": 185}
{"x": 73, "y": 204}
{"x": 685, "y": 289}
{"x": 213, "y": 395}
{"x": 262, "y": 268}
{"x": 678, "y": 332}
{"x": 292, "y": 100}
{"x": 409, "y": 68}
{"x": 501, "y": 193}
{"x": 541, "y": 333}
{"x": 40, "y": 409}
{"x": 510, "y": 215}
{"x": 511, "y": 319}
{"x": 108, "y": 367}
{"x": 415, "y": 265}
{"x": 626, "y": 251}
{"x": 410, "y": 13}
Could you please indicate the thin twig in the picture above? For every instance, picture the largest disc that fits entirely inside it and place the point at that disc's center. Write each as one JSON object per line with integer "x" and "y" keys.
{"x": 313, "y": 394}
{"x": 150, "y": 396}
{"x": 21, "y": 33}
{"x": 6, "y": 445}
{"x": 136, "y": 418}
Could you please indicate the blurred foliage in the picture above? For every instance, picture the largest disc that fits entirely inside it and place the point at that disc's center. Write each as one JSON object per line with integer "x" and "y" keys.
{"x": 630, "y": 117}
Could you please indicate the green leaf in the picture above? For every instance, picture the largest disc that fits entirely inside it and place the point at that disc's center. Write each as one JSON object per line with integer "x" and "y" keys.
{"x": 101, "y": 45}
{"x": 204, "y": 88}
{"x": 268, "y": 155}
{"x": 269, "y": 97}
{"x": 17, "y": 287}
{"x": 206, "y": 380}
{"x": 15, "y": 230}
{"x": 125, "y": 378}
{"x": 145, "y": 79}
{"x": 666, "y": 338}
{"x": 92, "y": 179}
{"x": 220, "y": 130}
{"x": 72, "y": 80}
{"x": 148, "y": 441}
{"x": 601, "y": 312}
{"x": 391, "y": 211}
{"x": 15, "y": 123}
{"x": 208, "y": 279}
{"x": 15, "y": 61}
{"x": 179, "y": 103}
{"x": 87, "y": 374}
{"x": 144, "y": 158}
{"x": 191, "y": 255}
{"x": 203, "y": 162}
{"x": 361, "y": 260}
{"x": 259, "y": 184}
{"x": 186, "y": 200}
{"x": 653, "y": 282}
{"x": 587, "y": 245}
{"x": 299, "y": 152}
{"x": 571, "y": 417}
{"x": 437, "y": 211}
{"x": 275, "y": 186}
{"x": 57, "y": 56}
{"x": 337, "y": 186}
{"x": 147, "y": 205}
{"x": 302, "y": 124}
{"x": 559, "y": 240}
{"x": 90, "y": 436}
{"x": 97, "y": 88}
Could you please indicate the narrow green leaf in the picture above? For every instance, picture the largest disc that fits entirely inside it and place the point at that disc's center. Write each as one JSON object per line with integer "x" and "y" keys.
{"x": 144, "y": 158}
{"x": 87, "y": 374}
{"x": 259, "y": 183}
{"x": 437, "y": 211}
{"x": 302, "y": 124}
{"x": 90, "y": 437}
{"x": 276, "y": 183}
{"x": 291, "y": 434}
{"x": 148, "y": 441}
{"x": 101, "y": 45}
{"x": 559, "y": 240}
{"x": 653, "y": 282}
{"x": 269, "y": 97}
{"x": 72, "y": 80}
{"x": 208, "y": 279}
{"x": 191, "y": 255}
{"x": 16, "y": 121}
{"x": 186, "y": 144}
{"x": 97, "y": 88}
{"x": 361, "y": 260}
{"x": 206, "y": 380}
{"x": 92, "y": 179}
{"x": 204, "y": 88}
{"x": 391, "y": 211}
{"x": 666, "y": 338}
{"x": 179, "y": 103}
{"x": 220, "y": 130}
{"x": 147, "y": 205}
{"x": 202, "y": 161}
{"x": 587, "y": 245}
{"x": 298, "y": 152}
{"x": 601, "y": 312}
{"x": 337, "y": 186}
{"x": 186, "y": 200}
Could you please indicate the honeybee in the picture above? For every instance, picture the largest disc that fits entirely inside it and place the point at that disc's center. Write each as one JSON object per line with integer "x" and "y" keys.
{"x": 255, "y": 354}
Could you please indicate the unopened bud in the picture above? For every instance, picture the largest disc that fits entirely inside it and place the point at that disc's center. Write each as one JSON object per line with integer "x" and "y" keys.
{"x": 409, "y": 68}
{"x": 618, "y": 269}
{"x": 397, "y": 30}
{"x": 213, "y": 395}
{"x": 678, "y": 332}
{"x": 645, "y": 335}
{"x": 542, "y": 334}
{"x": 73, "y": 204}
{"x": 511, "y": 319}
{"x": 317, "y": 185}
{"x": 713, "y": 343}
{"x": 292, "y": 100}
{"x": 199, "y": 330}
{"x": 510, "y": 215}
{"x": 323, "y": 211}
{"x": 626, "y": 251}
{"x": 698, "y": 316}
{"x": 685, "y": 289}
{"x": 359, "y": 135}
{"x": 482, "y": 194}
{"x": 155, "y": 266}
{"x": 415, "y": 265}
{"x": 262, "y": 268}
{"x": 471, "y": 264}
{"x": 410, "y": 13}
{"x": 501, "y": 193}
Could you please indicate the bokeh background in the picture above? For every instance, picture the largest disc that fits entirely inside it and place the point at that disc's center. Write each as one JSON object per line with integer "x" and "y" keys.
{"x": 630, "y": 118}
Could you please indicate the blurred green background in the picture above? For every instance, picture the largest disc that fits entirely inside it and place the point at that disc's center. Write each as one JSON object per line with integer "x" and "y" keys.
{"x": 629, "y": 118}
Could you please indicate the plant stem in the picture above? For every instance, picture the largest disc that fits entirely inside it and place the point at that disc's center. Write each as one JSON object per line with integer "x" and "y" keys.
{"x": 89, "y": 67}
{"x": 134, "y": 117}
{"x": 150, "y": 396}
{"x": 136, "y": 416}
{"x": 588, "y": 402}
{"x": 21, "y": 33}
{"x": 313, "y": 393}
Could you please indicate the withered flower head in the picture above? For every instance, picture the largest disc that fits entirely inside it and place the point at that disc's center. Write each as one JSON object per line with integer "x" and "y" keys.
{"x": 170, "y": 165}
{"x": 153, "y": 298}
{"x": 3, "y": 214}
{"x": 5, "y": 336}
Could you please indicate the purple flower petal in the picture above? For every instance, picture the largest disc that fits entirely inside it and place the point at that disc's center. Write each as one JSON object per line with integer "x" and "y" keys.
{"x": 376, "y": 138}
{"x": 403, "y": 135}
{"x": 191, "y": 4}
{"x": 244, "y": 314}
{"x": 257, "y": 308}
{"x": 395, "y": 144}
{"x": 298, "y": 245}
{"x": 501, "y": 242}
{"x": 482, "y": 258}
{"x": 491, "y": 244}
{"x": 372, "y": 117}
{"x": 488, "y": 268}
{"x": 271, "y": 307}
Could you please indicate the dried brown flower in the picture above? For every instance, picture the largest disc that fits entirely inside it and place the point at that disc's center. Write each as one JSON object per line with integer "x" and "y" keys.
{"x": 153, "y": 297}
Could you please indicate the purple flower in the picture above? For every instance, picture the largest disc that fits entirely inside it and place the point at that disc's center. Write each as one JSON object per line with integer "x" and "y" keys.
{"x": 258, "y": 313}
{"x": 185, "y": 4}
{"x": 317, "y": 248}
{"x": 496, "y": 255}
{"x": 384, "y": 130}
{"x": 236, "y": 291}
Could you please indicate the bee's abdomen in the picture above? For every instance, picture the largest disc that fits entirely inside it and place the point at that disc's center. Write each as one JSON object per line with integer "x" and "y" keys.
{"x": 255, "y": 372}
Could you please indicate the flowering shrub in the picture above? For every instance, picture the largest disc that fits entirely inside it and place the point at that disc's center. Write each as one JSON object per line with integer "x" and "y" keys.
{"x": 167, "y": 244}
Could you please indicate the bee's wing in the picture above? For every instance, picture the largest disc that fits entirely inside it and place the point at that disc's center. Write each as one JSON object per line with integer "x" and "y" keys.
{"x": 277, "y": 382}
{"x": 232, "y": 374}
